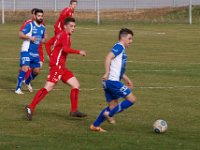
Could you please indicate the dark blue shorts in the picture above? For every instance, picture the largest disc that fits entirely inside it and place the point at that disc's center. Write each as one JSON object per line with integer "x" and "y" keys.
{"x": 115, "y": 90}
{"x": 27, "y": 60}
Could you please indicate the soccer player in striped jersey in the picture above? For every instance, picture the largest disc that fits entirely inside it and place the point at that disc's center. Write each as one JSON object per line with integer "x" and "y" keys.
{"x": 40, "y": 48}
{"x": 115, "y": 66}
{"x": 33, "y": 34}
{"x": 58, "y": 71}
{"x": 59, "y": 25}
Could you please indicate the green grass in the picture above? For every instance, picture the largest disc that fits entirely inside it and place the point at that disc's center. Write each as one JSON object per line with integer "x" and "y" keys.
{"x": 163, "y": 55}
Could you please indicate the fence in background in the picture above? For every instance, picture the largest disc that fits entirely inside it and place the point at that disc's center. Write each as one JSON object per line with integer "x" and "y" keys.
{"x": 95, "y": 6}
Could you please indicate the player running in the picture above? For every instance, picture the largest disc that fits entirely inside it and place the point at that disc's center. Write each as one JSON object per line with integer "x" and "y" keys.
{"x": 115, "y": 65}
{"x": 58, "y": 71}
{"x": 33, "y": 34}
{"x": 59, "y": 25}
{"x": 40, "y": 48}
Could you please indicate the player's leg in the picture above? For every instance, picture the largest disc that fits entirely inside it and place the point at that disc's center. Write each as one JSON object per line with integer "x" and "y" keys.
{"x": 72, "y": 81}
{"x": 53, "y": 77}
{"x": 28, "y": 74}
{"x": 74, "y": 97}
{"x": 39, "y": 96}
{"x": 35, "y": 65}
{"x": 120, "y": 90}
{"x": 24, "y": 64}
{"x": 130, "y": 99}
{"x": 111, "y": 104}
{"x": 33, "y": 74}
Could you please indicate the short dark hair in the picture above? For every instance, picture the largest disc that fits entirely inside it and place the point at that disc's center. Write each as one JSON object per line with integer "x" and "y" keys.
{"x": 33, "y": 10}
{"x": 68, "y": 20}
{"x": 125, "y": 31}
{"x": 38, "y": 11}
{"x": 72, "y": 1}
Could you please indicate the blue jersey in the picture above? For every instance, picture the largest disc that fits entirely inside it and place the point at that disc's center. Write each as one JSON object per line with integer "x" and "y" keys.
{"x": 34, "y": 30}
{"x": 118, "y": 64}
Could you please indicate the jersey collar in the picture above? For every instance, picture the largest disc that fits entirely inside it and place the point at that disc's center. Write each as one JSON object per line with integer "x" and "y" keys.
{"x": 37, "y": 24}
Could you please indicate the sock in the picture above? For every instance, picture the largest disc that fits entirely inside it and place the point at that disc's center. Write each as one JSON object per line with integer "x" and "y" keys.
{"x": 20, "y": 79}
{"x": 74, "y": 99}
{"x": 28, "y": 74}
{"x": 38, "y": 97}
{"x": 101, "y": 117}
{"x": 30, "y": 78}
{"x": 120, "y": 107}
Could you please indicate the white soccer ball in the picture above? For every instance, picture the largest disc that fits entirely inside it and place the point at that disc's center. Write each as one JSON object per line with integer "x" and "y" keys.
{"x": 160, "y": 126}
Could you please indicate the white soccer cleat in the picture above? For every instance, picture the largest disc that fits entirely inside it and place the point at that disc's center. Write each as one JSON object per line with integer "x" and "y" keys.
{"x": 29, "y": 87}
{"x": 28, "y": 113}
{"x": 19, "y": 91}
{"x": 111, "y": 120}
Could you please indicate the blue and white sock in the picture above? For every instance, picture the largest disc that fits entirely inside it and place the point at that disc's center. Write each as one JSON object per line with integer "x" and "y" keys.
{"x": 101, "y": 117}
{"x": 120, "y": 107}
{"x": 30, "y": 78}
{"x": 20, "y": 79}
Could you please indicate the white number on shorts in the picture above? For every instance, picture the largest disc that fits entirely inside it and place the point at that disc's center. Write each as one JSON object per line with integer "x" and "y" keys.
{"x": 123, "y": 89}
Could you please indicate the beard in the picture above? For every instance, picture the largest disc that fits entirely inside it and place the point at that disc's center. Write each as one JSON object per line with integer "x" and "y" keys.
{"x": 39, "y": 21}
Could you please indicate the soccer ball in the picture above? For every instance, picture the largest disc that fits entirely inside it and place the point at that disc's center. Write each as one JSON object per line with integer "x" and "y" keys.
{"x": 160, "y": 126}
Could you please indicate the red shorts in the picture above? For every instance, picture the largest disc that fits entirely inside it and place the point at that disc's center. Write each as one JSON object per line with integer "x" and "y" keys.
{"x": 41, "y": 53}
{"x": 56, "y": 73}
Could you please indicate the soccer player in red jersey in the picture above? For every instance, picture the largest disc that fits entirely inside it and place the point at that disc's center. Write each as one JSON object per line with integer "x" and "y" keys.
{"x": 58, "y": 71}
{"x": 59, "y": 25}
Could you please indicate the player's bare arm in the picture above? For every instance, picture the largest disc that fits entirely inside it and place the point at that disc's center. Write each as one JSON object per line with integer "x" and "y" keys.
{"x": 128, "y": 81}
{"x": 25, "y": 37}
{"x": 108, "y": 59}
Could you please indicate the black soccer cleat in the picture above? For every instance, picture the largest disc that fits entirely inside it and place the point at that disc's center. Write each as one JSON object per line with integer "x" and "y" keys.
{"x": 28, "y": 113}
{"x": 77, "y": 114}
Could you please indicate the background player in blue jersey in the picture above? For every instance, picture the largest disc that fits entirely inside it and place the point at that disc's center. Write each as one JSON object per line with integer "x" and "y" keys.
{"x": 115, "y": 65}
{"x": 32, "y": 34}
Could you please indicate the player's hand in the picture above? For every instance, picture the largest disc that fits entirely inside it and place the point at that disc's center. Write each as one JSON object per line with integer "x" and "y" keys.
{"x": 105, "y": 76}
{"x": 129, "y": 84}
{"x": 82, "y": 53}
{"x": 32, "y": 38}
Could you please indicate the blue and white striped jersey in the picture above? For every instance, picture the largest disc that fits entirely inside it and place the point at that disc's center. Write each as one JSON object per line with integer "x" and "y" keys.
{"x": 35, "y": 30}
{"x": 118, "y": 64}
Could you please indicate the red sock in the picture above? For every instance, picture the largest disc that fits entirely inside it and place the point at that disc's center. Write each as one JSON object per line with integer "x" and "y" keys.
{"x": 74, "y": 99}
{"x": 38, "y": 97}
{"x": 28, "y": 74}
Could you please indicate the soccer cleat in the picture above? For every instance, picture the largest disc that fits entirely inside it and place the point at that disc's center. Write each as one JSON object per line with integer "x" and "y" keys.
{"x": 96, "y": 129}
{"x": 19, "y": 91}
{"x": 111, "y": 120}
{"x": 77, "y": 114}
{"x": 29, "y": 87}
{"x": 28, "y": 113}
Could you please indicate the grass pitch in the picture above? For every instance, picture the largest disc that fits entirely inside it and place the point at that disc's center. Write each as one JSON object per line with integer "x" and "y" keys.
{"x": 164, "y": 65}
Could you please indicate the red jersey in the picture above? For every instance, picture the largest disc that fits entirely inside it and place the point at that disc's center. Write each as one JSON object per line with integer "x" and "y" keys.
{"x": 61, "y": 49}
{"x": 59, "y": 25}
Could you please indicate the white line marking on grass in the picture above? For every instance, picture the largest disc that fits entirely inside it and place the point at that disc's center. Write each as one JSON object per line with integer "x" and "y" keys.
{"x": 139, "y": 87}
{"x": 99, "y": 60}
{"x": 159, "y": 33}
{"x": 97, "y": 29}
